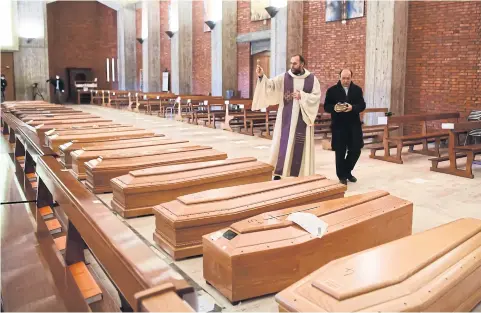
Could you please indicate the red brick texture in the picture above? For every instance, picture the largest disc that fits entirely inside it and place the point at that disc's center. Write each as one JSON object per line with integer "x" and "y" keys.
{"x": 328, "y": 47}
{"x": 245, "y": 25}
{"x": 164, "y": 39}
{"x": 201, "y": 46}
{"x": 443, "y": 57}
{"x": 81, "y": 34}
{"x": 138, "y": 45}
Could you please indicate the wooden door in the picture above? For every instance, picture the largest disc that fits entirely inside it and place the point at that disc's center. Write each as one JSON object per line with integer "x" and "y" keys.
{"x": 76, "y": 74}
{"x": 265, "y": 61}
{"x": 7, "y": 70}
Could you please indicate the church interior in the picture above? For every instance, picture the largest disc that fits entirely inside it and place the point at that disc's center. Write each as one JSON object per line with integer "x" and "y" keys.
{"x": 240, "y": 156}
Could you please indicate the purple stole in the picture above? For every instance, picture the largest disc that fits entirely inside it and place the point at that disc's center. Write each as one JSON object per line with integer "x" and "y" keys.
{"x": 300, "y": 133}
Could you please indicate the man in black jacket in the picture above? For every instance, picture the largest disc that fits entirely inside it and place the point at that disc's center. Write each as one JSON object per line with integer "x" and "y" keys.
{"x": 58, "y": 88}
{"x": 4, "y": 87}
{"x": 345, "y": 101}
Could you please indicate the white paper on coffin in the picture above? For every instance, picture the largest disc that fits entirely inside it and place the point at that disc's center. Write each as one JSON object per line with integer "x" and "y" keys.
{"x": 216, "y": 235}
{"x": 206, "y": 102}
{"x": 241, "y": 106}
{"x": 447, "y": 125}
{"x": 382, "y": 120}
{"x": 158, "y": 97}
{"x": 264, "y": 110}
{"x": 309, "y": 222}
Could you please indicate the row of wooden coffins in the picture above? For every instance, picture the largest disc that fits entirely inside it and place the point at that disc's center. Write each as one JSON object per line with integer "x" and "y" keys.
{"x": 259, "y": 236}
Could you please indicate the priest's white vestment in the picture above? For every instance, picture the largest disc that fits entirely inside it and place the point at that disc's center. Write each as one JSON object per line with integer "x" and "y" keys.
{"x": 292, "y": 150}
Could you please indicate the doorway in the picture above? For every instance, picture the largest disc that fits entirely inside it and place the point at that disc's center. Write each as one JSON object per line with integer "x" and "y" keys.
{"x": 264, "y": 58}
{"x": 8, "y": 71}
{"x": 77, "y": 75}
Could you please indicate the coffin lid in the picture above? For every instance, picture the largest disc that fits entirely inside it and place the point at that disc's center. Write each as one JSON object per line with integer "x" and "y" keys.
{"x": 156, "y": 141}
{"x": 361, "y": 273}
{"x": 165, "y": 177}
{"x": 110, "y": 136}
{"x": 63, "y": 117}
{"x": 278, "y": 219}
{"x": 92, "y": 130}
{"x": 121, "y": 155}
{"x": 78, "y": 126}
{"x": 81, "y": 145}
{"x": 243, "y": 190}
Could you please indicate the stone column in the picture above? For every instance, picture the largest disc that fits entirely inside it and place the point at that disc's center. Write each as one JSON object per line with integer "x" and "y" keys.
{"x": 224, "y": 49}
{"x": 286, "y": 36}
{"x": 126, "y": 41}
{"x": 181, "y": 46}
{"x": 151, "y": 46}
{"x": 386, "y": 45}
{"x": 31, "y": 60}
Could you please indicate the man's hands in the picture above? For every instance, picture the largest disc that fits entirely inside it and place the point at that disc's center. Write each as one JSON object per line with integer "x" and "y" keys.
{"x": 296, "y": 95}
{"x": 343, "y": 107}
{"x": 349, "y": 108}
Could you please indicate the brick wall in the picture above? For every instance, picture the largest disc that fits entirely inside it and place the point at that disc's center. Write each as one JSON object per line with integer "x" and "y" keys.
{"x": 81, "y": 34}
{"x": 138, "y": 45}
{"x": 328, "y": 47}
{"x": 245, "y": 25}
{"x": 164, "y": 39}
{"x": 443, "y": 57}
{"x": 201, "y": 46}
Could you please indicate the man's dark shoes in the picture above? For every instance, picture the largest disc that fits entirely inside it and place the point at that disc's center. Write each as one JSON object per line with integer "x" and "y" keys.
{"x": 276, "y": 177}
{"x": 343, "y": 181}
{"x": 352, "y": 179}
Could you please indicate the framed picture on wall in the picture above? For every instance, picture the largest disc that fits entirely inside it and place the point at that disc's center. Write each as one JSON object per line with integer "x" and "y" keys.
{"x": 337, "y": 10}
{"x": 258, "y": 10}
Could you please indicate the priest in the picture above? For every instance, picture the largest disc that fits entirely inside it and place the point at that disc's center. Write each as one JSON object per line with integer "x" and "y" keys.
{"x": 298, "y": 94}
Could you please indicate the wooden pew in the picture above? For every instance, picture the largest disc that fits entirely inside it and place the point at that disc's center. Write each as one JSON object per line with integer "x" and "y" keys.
{"x": 243, "y": 117}
{"x": 119, "y": 98}
{"x": 202, "y": 113}
{"x": 136, "y": 271}
{"x": 79, "y": 157}
{"x": 188, "y": 102}
{"x": 423, "y": 138}
{"x": 66, "y": 149}
{"x": 438, "y": 270}
{"x": 100, "y": 171}
{"x": 55, "y": 141}
{"x": 180, "y": 224}
{"x": 457, "y": 150}
{"x": 152, "y": 99}
{"x": 98, "y": 97}
{"x": 136, "y": 193}
{"x": 269, "y": 252}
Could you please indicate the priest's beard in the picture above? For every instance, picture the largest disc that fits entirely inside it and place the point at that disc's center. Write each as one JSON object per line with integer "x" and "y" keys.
{"x": 297, "y": 71}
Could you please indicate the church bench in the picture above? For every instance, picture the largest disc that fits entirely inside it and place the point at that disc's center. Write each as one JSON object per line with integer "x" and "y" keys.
{"x": 136, "y": 193}
{"x": 55, "y": 141}
{"x": 456, "y": 151}
{"x": 268, "y": 127}
{"x": 101, "y": 170}
{"x": 438, "y": 270}
{"x": 236, "y": 111}
{"x": 66, "y": 149}
{"x": 120, "y": 98}
{"x": 203, "y": 114}
{"x": 97, "y": 97}
{"x": 147, "y": 100}
{"x": 79, "y": 157}
{"x": 268, "y": 252}
{"x": 184, "y": 104}
{"x": 158, "y": 101}
{"x": 259, "y": 122}
{"x": 407, "y": 140}
{"x": 181, "y": 223}
{"x": 136, "y": 271}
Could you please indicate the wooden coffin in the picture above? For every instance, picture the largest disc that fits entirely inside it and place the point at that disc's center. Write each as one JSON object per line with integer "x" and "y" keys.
{"x": 180, "y": 224}
{"x": 267, "y": 253}
{"x": 67, "y": 148}
{"x": 62, "y": 117}
{"x": 139, "y": 191}
{"x": 100, "y": 171}
{"x": 79, "y": 157}
{"x": 438, "y": 270}
{"x": 55, "y": 141}
{"x": 69, "y": 122}
{"x": 41, "y": 130}
{"x": 90, "y": 131}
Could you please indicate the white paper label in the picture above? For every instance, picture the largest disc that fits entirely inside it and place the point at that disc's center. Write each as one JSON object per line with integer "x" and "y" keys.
{"x": 382, "y": 120}
{"x": 447, "y": 125}
{"x": 309, "y": 222}
{"x": 136, "y": 94}
{"x": 264, "y": 110}
{"x": 129, "y": 94}
{"x": 215, "y": 236}
{"x": 145, "y": 97}
{"x": 227, "y": 102}
{"x": 206, "y": 102}
{"x": 86, "y": 88}
{"x": 177, "y": 100}
{"x": 188, "y": 100}
{"x": 113, "y": 93}
{"x": 158, "y": 97}
{"x": 241, "y": 106}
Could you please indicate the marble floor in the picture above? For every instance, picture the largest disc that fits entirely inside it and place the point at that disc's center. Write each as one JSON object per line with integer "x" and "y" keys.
{"x": 438, "y": 198}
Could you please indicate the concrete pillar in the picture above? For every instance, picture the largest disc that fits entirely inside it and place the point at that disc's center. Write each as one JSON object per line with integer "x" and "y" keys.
{"x": 126, "y": 41}
{"x": 151, "y": 46}
{"x": 386, "y": 45}
{"x": 224, "y": 49}
{"x": 181, "y": 46}
{"x": 31, "y": 60}
{"x": 286, "y": 36}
